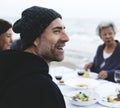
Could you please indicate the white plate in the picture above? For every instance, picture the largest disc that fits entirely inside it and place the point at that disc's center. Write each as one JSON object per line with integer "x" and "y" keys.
{"x": 93, "y": 98}
{"x": 103, "y": 101}
{"x": 89, "y": 83}
{"x": 93, "y": 75}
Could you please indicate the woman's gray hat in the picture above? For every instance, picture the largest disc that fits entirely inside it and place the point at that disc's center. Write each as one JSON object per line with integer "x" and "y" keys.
{"x": 33, "y": 22}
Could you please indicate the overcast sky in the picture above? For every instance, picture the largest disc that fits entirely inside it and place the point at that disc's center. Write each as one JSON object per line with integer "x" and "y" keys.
{"x": 106, "y": 9}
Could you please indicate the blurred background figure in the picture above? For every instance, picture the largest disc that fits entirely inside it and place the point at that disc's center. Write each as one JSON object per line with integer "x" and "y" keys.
{"x": 5, "y": 34}
{"x": 107, "y": 58}
{"x": 16, "y": 45}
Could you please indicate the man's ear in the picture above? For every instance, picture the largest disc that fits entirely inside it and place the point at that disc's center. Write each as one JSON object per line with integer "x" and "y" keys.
{"x": 36, "y": 41}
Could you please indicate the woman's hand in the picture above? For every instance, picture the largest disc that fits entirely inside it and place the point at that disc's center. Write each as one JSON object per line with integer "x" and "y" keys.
{"x": 103, "y": 74}
{"x": 88, "y": 66}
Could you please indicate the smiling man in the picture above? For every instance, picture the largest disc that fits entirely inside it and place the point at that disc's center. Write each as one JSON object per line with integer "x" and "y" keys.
{"x": 25, "y": 79}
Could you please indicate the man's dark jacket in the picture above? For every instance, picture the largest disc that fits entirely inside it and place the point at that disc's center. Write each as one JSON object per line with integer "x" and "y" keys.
{"x": 26, "y": 83}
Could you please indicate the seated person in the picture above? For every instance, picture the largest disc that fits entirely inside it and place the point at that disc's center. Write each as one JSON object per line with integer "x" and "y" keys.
{"x": 25, "y": 81}
{"x": 16, "y": 45}
{"x": 5, "y": 34}
{"x": 107, "y": 58}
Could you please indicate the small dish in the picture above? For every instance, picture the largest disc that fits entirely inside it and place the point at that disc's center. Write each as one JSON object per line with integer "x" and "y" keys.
{"x": 90, "y": 98}
{"x": 82, "y": 83}
{"x": 111, "y": 103}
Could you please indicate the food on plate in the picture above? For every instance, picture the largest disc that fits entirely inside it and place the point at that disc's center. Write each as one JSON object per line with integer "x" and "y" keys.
{"x": 109, "y": 99}
{"x": 81, "y": 85}
{"x": 86, "y": 74}
{"x": 81, "y": 97}
{"x": 61, "y": 81}
{"x": 114, "y": 99}
{"x": 118, "y": 96}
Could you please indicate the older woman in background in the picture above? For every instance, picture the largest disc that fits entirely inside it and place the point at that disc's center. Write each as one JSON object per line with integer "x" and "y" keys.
{"x": 5, "y": 34}
{"x": 107, "y": 58}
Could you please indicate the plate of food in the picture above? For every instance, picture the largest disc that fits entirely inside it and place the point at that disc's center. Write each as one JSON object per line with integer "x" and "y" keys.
{"x": 86, "y": 74}
{"x": 111, "y": 100}
{"x": 93, "y": 75}
{"x": 82, "y": 83}
{"x": 82, "y": 98}
{"x": 77, "y": 83}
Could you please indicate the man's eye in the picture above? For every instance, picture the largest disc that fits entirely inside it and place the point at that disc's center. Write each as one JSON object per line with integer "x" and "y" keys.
{"x": 57, "y": 31}
{"x": 110, "y": 33}
{"x": 104, "y": 34}
{"x": 8, "y": 35}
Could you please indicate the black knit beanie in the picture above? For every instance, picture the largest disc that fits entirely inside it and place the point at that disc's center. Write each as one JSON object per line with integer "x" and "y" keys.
{"x": 33, "y": 22}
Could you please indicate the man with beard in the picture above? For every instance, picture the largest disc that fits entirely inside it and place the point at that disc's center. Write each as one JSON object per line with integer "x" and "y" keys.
{"x": 25, "y": 80}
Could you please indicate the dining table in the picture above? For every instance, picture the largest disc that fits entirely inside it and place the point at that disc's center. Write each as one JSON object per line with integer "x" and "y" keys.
{"x": 101, "y": 87}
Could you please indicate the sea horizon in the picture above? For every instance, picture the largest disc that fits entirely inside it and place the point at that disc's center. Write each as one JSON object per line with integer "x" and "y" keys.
{"x": 83, "y": 38}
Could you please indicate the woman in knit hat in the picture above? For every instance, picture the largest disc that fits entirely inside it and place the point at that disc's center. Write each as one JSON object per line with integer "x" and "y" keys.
{"x": 25, "y": 79}
{"x": 5, "y": 34}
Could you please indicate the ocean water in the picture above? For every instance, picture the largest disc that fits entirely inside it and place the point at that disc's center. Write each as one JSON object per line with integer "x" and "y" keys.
{"x": 83, "y": 38}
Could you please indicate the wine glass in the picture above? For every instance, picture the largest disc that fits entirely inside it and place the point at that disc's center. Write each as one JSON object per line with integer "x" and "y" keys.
{"x": 117, "y": 79}
{"x": 58, "y": 75}
{"x": 117, "y": 76}
{"x": 80, "y": 72}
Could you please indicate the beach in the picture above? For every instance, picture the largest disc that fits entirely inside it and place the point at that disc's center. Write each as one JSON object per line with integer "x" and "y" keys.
{"x": 64, "y": 64}
{"x": 83, "y": 42}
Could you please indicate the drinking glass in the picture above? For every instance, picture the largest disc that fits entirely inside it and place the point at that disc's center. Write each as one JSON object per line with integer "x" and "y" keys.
{"x": 117, "y": 78}
{"x": 80, "y": 72}
{"x": 58, "y": 75}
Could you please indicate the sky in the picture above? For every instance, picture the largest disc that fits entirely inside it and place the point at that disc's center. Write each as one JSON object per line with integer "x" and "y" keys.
{"x": 106, "y": 9}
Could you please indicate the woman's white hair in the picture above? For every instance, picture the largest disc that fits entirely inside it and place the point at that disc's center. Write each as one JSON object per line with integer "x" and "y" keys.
{"x": 103, "y": 25}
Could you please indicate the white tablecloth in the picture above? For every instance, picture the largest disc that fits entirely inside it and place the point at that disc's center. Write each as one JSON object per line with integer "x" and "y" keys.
{"x": 104, "y": 88}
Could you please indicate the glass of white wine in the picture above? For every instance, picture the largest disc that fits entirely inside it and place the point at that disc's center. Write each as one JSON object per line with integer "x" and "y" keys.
{"x": 117, "y": 79}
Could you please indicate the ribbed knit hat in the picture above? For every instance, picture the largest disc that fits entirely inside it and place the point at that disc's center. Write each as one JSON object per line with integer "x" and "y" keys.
{"x": 33, "y": 22}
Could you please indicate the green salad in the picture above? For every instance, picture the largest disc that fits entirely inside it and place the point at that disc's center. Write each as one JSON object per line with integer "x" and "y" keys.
{"x": 81, "y": 96}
